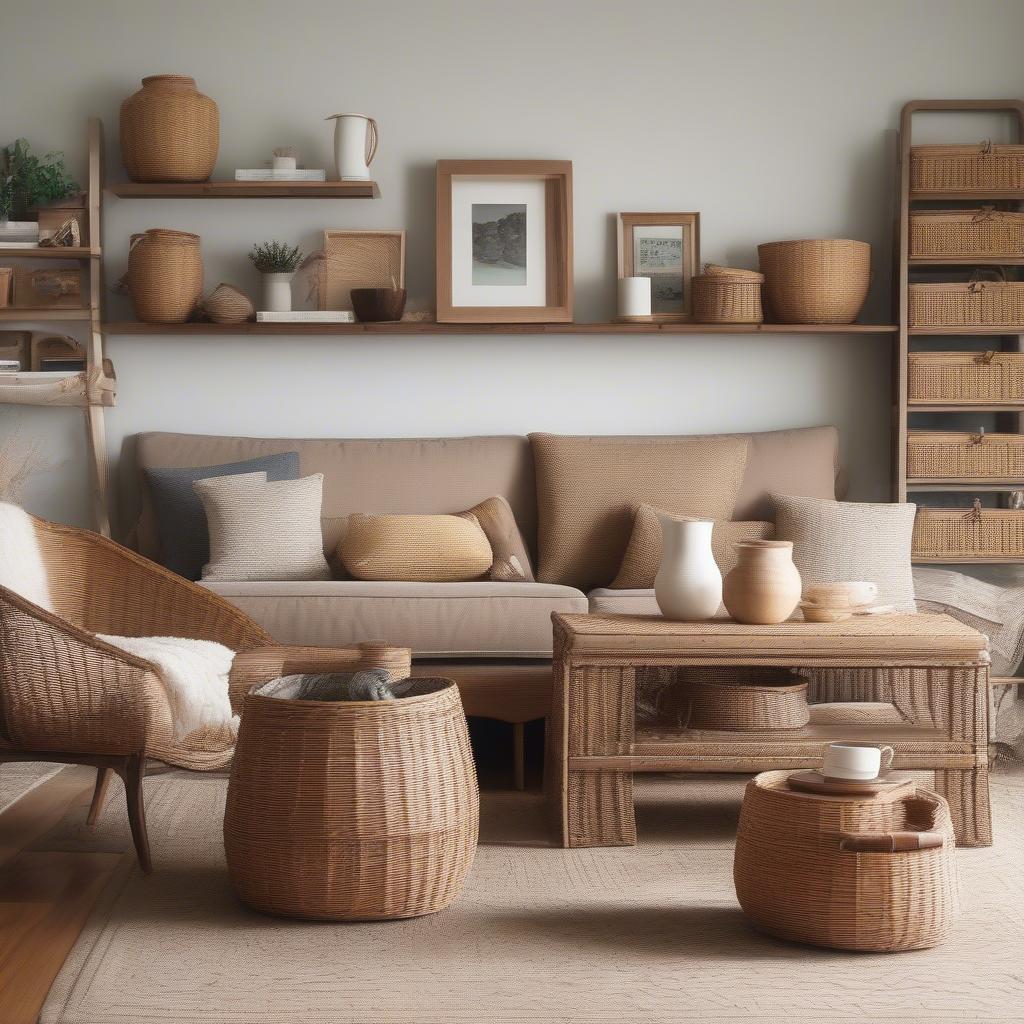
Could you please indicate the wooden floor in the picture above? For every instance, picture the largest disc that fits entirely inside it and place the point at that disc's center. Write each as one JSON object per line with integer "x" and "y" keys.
{"x": 45, "y": 895}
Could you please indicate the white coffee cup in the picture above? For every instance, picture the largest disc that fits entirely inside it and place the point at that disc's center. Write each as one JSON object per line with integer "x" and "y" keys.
{"x": 856, "y": 761}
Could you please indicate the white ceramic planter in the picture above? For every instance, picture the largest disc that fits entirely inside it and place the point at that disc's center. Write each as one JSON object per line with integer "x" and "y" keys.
{"x": 277, "y": 293}
{"x": 688, "y": 586}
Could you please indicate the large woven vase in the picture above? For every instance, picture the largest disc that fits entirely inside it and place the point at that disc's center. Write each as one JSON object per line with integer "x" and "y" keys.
{"x": 764, "y": 587}
{"x": 169, "y": 131}
{"x": 352, "y": 811}
{"x": 815, "y": 281}
{"x": 165, "y": 275}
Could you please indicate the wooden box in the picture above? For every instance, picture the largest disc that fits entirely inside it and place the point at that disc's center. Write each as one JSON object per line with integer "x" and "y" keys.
{"x": 48, "y": 288}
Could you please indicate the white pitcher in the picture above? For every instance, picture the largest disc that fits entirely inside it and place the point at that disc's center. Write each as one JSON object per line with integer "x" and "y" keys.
{"x": 355, "y": 144}
{"x": 688, "y": 586}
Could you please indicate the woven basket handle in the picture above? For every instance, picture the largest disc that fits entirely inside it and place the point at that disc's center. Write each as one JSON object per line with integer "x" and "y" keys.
{"x": 891, "y": 842}
{"x": 372, "y": 136}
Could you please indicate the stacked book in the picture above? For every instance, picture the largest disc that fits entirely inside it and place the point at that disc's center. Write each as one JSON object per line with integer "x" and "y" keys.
{"x": 266, "y": 174}
{"x": 308, "y": 316}
{"x": 22, "y": 234}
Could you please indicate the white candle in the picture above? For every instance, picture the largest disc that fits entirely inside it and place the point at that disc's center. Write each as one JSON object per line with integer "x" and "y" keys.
{"x": 634, "y": 296}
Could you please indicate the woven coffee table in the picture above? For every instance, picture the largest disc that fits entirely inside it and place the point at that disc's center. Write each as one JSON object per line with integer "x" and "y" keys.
{"x": 916, "y": 682}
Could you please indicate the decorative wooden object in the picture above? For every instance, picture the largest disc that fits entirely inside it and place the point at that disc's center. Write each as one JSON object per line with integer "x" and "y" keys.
{"x": 764, "y": 585}
{"x": 49, "y": 288}
{"x": 359, "y": 259}
{"x": 931, "y": 664}
{"x": 644, "y": 230}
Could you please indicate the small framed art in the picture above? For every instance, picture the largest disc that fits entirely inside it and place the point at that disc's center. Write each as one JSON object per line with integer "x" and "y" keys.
{"x": 666, "y": 248}
{"x": 504, "y": 241}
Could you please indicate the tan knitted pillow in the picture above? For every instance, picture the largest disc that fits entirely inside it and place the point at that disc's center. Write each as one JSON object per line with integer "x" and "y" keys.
{"x": 261, "y": 530}
{"x": 587, "y": 488}
{"x": 511, "y": 559}
{"x": 643, "y": 555}
{"x": 428, "y": 549}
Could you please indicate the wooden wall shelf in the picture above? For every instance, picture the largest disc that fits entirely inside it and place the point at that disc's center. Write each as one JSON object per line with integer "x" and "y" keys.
{"x": 14, "y": 314}
{"x": 55, "y": 252}
{"x": 247, "y": 190}
{"x": 79, "y": 389}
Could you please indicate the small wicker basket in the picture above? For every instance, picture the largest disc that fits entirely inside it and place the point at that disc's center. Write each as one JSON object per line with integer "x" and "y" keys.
{"x": 815, "y": 281}
{"x": 725, "y": 295}
{"x": 984, "y": 232}
{"x": 965, "y": 377}
{"x": 951, "y": 455}
{"x": 227, "y": 305}
{"x": 976, "y": 168}
{"x": 966, "y": 304}
{"x": 165, "y": 275}
{"x": 952, "y": 533}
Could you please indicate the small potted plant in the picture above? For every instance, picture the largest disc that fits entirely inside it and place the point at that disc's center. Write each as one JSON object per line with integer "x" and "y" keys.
{"x": 277, "y": 262}
{"x": 27, "y": 180}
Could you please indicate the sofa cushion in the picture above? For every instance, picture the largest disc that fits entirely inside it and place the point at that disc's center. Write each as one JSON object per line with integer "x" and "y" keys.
{"x": 605, "y": 601}
{"x": 459, "y": 620}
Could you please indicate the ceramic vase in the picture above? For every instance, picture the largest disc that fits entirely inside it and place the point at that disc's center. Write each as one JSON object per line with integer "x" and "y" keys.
{"x": 764, "y": 587}
{"x": 688, "y": 586}
{"x": 355, "y": 143}
{"x": 277, "y": 293}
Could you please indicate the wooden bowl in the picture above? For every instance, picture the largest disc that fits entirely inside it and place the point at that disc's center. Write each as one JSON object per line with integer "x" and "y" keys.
{"x": 378, "y": 305}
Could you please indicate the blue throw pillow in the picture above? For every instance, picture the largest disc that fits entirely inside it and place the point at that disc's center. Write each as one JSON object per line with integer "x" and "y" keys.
{"x": 180, "y": 519}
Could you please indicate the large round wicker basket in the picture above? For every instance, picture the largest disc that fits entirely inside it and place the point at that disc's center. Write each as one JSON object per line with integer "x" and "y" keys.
{"x": 736, "y": 699}
{"x": 352, "y": 811}
{"x": 169, "y": 131}
{"x": 815, "y": 281}
{"x": 846, "y": 872}
{"x": 165, "y": 275}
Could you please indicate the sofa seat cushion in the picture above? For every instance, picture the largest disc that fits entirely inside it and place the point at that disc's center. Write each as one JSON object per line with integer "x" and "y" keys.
{"x": 436, "y": 620}
{"x": 605, "y": 601}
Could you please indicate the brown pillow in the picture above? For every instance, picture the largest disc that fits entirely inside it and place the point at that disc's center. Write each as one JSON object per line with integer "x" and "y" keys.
{"x": 511, "y": 559}
{"x": 428, "y": 549}
{"x": 643, "y": 555}
{"x": 587, "y": 488}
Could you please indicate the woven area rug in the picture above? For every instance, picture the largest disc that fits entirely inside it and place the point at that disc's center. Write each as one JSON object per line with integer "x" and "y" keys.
{"x": 20, "y": 777}
{"x": 540, "y": 934}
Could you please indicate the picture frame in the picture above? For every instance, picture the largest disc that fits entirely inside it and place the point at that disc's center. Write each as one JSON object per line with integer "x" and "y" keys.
{"x": 666, "y": 248}
{"x": 354, "y": 258}
{"x": 504, "y": 241}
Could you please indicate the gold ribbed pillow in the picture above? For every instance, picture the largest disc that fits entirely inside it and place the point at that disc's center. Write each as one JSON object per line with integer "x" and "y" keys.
{"x": 587, "y": 488}
{"x": 643, "y": 555}
{"x": 426, "y": 549}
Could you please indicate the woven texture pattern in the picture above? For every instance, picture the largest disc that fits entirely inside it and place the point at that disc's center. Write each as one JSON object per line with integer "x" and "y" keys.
{"x": 970, "y": 304}
{"x": 165, "y": 275}
{"x": 352, "y": 810}
{"x": 169, "y": 131}
{"x": 511, "y": 562}
{"x": 227, "y": 305}
{"x": 358, "y": 259}
{"x": 966, "y": 168}
{"x": 643, "y": 553}
{"x": 838, "y": 541}
{"x": 740, "y": 699}
{"x": 965, "y": 377}
{"x": 937, "y": 454}
{"x": 977, "y": 533}
{"x": 984, "y": 232}
{"x": 429, "y": 549}
{"x": 587, "y": 488}
{"x": 795, "y": 880}
{"x": 723, "y": 295}
{"x": 264, "y": 531}
{"x": 815, "y": 281}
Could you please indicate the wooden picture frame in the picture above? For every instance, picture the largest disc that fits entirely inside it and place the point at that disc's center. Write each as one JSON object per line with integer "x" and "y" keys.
{"x": 359, "y": 259}
{"x": 666, "y": 227}
{"x": 488, "y": 194}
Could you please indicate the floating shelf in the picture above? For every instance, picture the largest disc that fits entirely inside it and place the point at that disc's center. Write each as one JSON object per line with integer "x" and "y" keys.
{"x": 11, "y": 314}
{"x": 247, "y": 190}
{"x": 417, "y": 327}
{"x": 55, "y": 252}
{"x": 74, "y": 388}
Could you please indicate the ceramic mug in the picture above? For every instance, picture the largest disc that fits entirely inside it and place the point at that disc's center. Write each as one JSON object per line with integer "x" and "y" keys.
{"x": 857, "y": 761}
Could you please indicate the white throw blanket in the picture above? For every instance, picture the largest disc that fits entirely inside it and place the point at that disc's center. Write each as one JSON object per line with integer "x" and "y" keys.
{"x": 195, "y": 673}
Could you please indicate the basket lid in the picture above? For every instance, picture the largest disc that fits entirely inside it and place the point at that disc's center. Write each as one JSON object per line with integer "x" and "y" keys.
{"x": 715, "y": 270}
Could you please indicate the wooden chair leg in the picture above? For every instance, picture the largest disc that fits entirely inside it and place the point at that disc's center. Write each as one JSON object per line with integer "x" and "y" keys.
{"x": 99, "y": 795}
{"x": 134, "y": 770}
{"x": 519, "y": 755}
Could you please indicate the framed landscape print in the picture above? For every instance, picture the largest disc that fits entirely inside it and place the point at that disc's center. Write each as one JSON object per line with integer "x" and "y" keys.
{"x": 666, "y": 248}
{"x": 504, "y": 241}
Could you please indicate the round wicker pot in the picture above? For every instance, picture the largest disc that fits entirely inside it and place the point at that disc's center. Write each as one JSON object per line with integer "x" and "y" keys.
{"x": 165, "y": 275}
{"x": 352, "y": 811}
{"x": 736, "y": 700}
{"x": 816, "y": 281}
{"x": 169, "y": 131}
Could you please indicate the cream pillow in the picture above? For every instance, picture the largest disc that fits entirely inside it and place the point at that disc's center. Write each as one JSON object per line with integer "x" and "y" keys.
{"x": 261, "y": 530}
{"x": 415, "y": 548}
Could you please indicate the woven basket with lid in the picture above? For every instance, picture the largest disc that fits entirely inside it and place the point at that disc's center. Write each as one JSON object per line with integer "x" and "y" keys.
{"x": 966, "y": 304}
{"x": 963, "y": 377}
{"x": 984, "y": 232}
{"x": 941, "y": 454}
{"x": 973, "y": 168}
{"x": 165, "y": 275}
{"x": 815, "y": 281}
{"x": 727, "y": 295}
{"x": 951, "y": 533}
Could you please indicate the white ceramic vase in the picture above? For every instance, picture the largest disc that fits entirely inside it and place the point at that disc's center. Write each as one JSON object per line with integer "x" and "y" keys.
{"x": 688, "y": 586}
{"x": 277, "y": 293}
{"x": 355, "y": 143}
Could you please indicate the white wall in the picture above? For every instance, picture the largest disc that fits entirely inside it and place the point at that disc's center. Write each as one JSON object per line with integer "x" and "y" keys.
{"x": 774, "y": 119}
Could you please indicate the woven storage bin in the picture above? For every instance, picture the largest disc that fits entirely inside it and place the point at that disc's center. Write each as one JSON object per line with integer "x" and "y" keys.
{"x": 736, "y": 699}
{"x": 985, "y": 232}
{"x": 169, "y": 131}
{"x": 722, "y": 295}
{"x": 939, "y": 455}
{"x": 227, "y": 305}
{"x": 976, "y": 168}
{"x": 817, "y": 281}
{"x": 347, "y": 811}
{"x": 974, "y": 533}
{"x": 165, "y": 275}
{"x": 966, "y": 304}
{"x": 965, "y": 377}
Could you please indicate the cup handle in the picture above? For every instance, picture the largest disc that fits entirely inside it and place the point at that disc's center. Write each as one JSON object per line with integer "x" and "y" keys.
{"x": 887, "y": 756}
{"x": 372, "y": 135}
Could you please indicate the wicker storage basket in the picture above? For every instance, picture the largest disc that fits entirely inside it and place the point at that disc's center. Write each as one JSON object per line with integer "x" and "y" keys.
{"x": 984, "y": 232}
{"x": 836, "y": 871}
{"x": 976, "y": 168}
{"x": 723, "y": 295}
{"x": 951, "y": 533}
{"x": 966, "y": 304}
{"x": 818, "y": 281}
{"x": 227, "y": 305}
{"x": 352, "y": 810}
{"x": 169, "y": 131}
{"x": 165, "y": 275}
{"x": 735, "y": 699}
{"x": 941, "y": 455}
{"x": 965, "y": 377}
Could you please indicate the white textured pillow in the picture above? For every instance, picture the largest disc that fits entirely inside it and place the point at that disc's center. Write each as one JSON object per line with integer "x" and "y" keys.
{"x": 840, "y": 541}
{"x": 264, "y": 531}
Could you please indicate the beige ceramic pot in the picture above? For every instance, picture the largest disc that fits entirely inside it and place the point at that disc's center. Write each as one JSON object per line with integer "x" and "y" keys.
{"x": 764, "y": 588}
